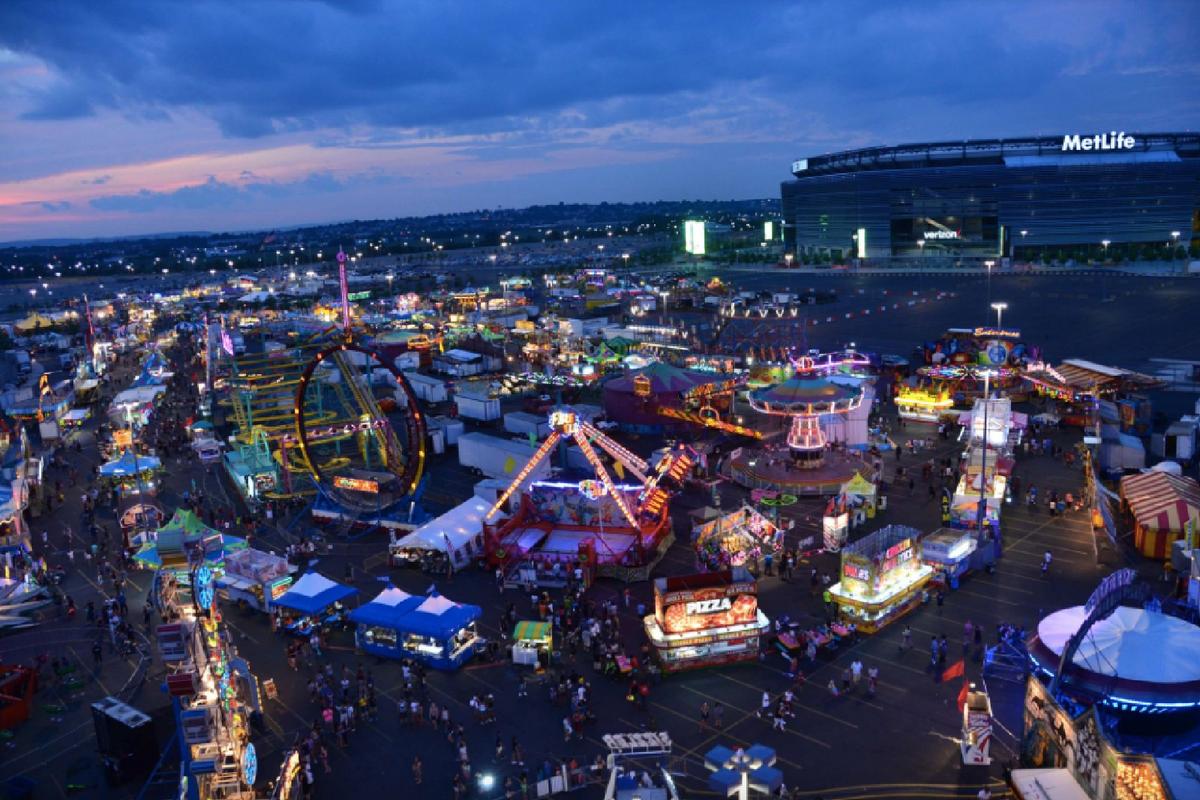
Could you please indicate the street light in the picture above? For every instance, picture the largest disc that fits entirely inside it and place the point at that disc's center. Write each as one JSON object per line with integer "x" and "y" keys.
{"x": 1105, "y": 243}
{"x": 1174, "y": 244}
{"x": 999, "y": 309}
{"x": 989, "y": 264}
{"x": 921, "y": 244}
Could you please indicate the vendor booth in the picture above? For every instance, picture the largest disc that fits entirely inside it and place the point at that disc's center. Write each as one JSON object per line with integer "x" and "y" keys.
{"x": 312, "y": 601}
{"x": 131, "y": 472}
{"x": 881, "y": 578}
{"x": 948, "y": 551}
{"x": 735, "y": 540}
{"x": 1163, "y": 507}
{"x": 533, "y": 643}
{"x": 254, "y": 578}
{"x": 964, "y": 508}
{"x": 433, "y": 630}
{"x": 707, "y": 619}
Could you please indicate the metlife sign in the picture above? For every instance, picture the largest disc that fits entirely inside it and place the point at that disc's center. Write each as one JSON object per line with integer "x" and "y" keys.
{"x": 1099, "y": 142}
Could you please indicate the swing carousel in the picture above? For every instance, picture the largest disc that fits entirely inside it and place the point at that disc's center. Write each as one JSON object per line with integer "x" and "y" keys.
{"x": 595, "y": 523}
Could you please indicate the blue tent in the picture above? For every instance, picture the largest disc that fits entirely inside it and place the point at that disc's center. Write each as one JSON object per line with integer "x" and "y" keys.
{"x": 440, "y": 618}
{"x": 129, "y": 464}
{"x": 314, "y": 593}
{"x": 387, "y": 609}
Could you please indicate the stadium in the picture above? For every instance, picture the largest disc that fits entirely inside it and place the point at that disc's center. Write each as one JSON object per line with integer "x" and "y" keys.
{"x": 1074, "y": 195}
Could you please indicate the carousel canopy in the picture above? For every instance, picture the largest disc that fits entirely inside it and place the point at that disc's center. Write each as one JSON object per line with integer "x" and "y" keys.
{"x": 800, "y": 394}
{"x": 1131, "y": 644}
{"x": 313, "y": 593}
{"x": 129, "y": 464}
{"x": 664, "y": 379}
{"x": 1162, "y": 501}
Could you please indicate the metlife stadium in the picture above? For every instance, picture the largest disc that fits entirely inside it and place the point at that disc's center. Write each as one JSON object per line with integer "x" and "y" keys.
{"x": 989, "y": 198}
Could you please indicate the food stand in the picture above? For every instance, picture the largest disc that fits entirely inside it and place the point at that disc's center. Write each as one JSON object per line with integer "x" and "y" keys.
{"x": 433, "y": 630}
{"x": 881, "y": 578}
{"x": 706, "y": 619}
{"x": 948, "y": 551}
{"x": 254, "y": 578}
{"x": 733, "y": 540}
{"x": 313, "y": 600}
{"x": 533, "y": 643}
{"x": 131, "y": 473}
{"x": 964, "y": 508}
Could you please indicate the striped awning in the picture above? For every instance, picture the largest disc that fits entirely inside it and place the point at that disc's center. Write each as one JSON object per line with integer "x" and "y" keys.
{"x": 1161, "y": 501}
{"x": 529, "y": 631}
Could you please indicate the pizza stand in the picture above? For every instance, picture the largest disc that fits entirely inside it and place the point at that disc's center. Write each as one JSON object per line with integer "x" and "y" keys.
{"x": 882, "y": 578}
{"x": 533, "y": 643}
{"x": 706, "y": 619}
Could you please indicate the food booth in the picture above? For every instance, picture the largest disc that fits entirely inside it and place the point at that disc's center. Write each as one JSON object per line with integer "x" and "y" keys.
{"x": 964, "y": 507}
{"x": 948, "y": 551}
{"x": 313, "y": 600}
{"x": 254, "y": 578}
{"x": 706, "y": 619}
{"x": 433, "y": 629}
{"x": 131, "y": 472}
{"x": 882, "y": 577}
{"x": 533, "y": 643}
{"x": 733, "y": 540}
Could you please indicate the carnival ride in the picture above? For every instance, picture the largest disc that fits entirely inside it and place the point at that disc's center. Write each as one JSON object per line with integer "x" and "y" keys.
{"x": 963, "y": 383}
{"x": 804, "y": 399}
{"x": 622, "y": 524}
{"x": 318, "y": 418}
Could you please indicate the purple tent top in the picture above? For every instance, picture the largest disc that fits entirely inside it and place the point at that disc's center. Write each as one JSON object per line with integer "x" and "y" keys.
{"x": 800, "y": 394}
{"x": 664, "y": 378}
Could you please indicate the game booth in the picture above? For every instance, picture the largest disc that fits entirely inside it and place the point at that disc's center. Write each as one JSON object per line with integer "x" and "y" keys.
{"x": 948, "y": 551}
{"x": 312, "y": 601}
{"x": 881, "y": 578}
{"x": 706, "y": 619}
{"x": 254, "y": 578}
{"x": 533, "y": 643}
{"x": 433, "y": 629}
{"x": 736, "y": 539}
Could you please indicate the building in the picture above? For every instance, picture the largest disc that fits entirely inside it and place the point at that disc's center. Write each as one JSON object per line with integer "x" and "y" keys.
{"x": 1067, "y": 196}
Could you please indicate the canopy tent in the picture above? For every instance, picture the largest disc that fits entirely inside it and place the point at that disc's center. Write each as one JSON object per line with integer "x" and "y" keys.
{"x": 530, "y": 631}
{"x": 440, "y": 618}
{"x": 859, "y": 486}
{"x": 458, "y": 533}
{"x": 33, "y": 322}
{"x": 314, "y": 593}
{"x": 1164, "y": 507}
{"x": 130, "y": 463}
{"x": 387, "y": 609}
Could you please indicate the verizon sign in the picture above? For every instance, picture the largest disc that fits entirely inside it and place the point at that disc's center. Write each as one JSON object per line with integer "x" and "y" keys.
{"x": 1100, "y": 141}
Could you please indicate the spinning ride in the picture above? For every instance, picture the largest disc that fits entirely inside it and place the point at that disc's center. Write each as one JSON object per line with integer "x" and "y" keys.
{"x": 593, "y": 522}
{"x": 805, "y": 398}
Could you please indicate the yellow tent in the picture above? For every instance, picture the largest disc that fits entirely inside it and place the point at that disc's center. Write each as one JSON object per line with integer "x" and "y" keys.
{"x": 858, "y": 485}
{"x": 34, "y": 321}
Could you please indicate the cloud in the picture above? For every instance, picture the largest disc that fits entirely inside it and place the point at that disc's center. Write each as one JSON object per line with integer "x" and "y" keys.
{"x": 99, "y": 180}
{"x": 217, "y": 194}
{"x": 52, "y": 206}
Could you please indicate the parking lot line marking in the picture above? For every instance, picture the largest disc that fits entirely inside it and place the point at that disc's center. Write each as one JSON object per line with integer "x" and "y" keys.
{"x": 810, "y": 709}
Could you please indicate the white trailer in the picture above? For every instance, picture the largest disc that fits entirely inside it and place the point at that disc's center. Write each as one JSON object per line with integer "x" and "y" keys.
{"x": 523, "y": 423}
{"x": 431, "y": 390}
{"x": 496, "y": 457}
{"x": 484, "y": 409}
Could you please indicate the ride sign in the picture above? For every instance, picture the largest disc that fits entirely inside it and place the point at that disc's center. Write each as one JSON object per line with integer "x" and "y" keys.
{"x": 355, "y": 484}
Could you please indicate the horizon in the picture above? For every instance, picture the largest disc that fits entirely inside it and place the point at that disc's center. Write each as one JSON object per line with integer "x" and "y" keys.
{"x": 122, "y": 124}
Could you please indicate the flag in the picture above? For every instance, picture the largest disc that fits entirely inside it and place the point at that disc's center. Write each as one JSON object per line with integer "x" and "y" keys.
{"x": 962, "y": 695}
{"x": 619, "y": 468}
{"x": 955, "y": 670}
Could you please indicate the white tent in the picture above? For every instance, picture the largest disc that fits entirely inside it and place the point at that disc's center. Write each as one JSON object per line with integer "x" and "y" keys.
{"x": 458, "y": 532}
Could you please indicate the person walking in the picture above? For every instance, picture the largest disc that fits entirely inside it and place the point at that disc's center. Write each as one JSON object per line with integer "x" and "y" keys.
{"x": 416, "y": 770}
{"x": 856, "y": 671}
{"x": 718, "y": 716}
{"x": 1046, "y": 559}
{"x": 704, "y": 712}
{"x": 765, "y": 708}
{"x": 906, "y": 639}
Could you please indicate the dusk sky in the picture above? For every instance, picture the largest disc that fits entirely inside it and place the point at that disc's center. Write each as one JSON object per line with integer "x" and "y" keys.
{"x": 121, "y": 117}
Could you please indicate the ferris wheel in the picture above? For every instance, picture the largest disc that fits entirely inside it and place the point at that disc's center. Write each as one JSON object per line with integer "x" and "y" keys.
{"x": 359, "y": 432}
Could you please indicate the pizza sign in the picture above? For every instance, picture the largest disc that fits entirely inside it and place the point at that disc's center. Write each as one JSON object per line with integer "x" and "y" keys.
{"x": 708, "y": 606}
{"x": 705, "y": 609}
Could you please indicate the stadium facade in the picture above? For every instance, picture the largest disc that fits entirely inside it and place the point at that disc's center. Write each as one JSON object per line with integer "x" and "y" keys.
{"x": 994, "y": 198}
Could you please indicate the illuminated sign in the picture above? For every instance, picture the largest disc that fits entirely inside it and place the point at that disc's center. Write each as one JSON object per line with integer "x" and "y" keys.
{"x": 768, "y": 231}
{"x": 693, "y": 237}
{"x": 998, "y": 333}
{"x": 1101, "y": 141}
{"x": 714, "y": 606}
{"x": 356, "y": 484}
{"x": 800, "y": 165}
{"x": 941, "y": 234}
{"x": 359, "y": 295}
{"x": 856, "y": 571}
{"x": 898, "y": 548}
{"x": 860, "y": 243}
{"x": 123, "y": 437}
